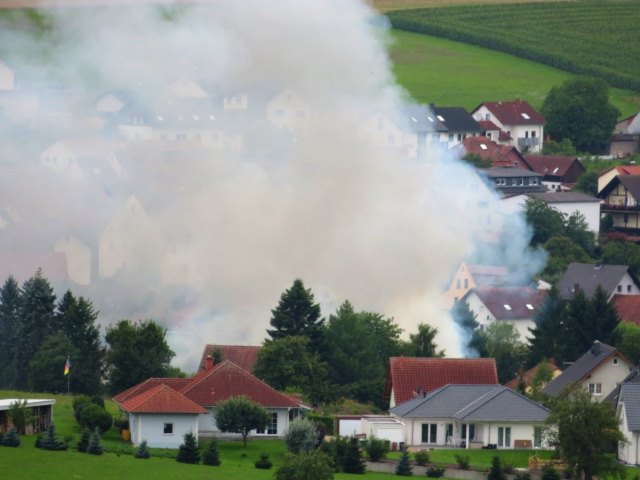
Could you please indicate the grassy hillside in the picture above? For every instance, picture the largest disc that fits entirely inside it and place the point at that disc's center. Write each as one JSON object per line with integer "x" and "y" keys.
{"x": 389, "y": 5}
{"x": 598, "y": 38}
{"x": 457, "y": 74}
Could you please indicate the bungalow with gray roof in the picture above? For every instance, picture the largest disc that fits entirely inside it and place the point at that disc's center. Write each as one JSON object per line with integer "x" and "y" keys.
{"x": 472, "y": 416}
{"x": 600, "y": 371}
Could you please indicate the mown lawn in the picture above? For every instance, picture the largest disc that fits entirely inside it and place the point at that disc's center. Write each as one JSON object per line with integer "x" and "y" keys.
{"x": 482, "y": 458}
{"x": 448, "y": 73}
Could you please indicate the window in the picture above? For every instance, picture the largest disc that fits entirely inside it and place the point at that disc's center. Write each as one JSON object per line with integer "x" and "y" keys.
{"x": 526, "y": 134}
{"x": 619, "y": 288}
{"x": 168, "y": 429}
{"x": 533, "y": 134}
{"x": 504, "y": 436}
{"x": 472, "y": 431}
{"x": 535, "y": 181}
{"x": 595, "y": 388}
{"x": 487, "y": 116}
{"x": 489, "y": 135}
{"x": 615, "y": 361}
{"x": 429, "y": 433}
{"x": 466, "y": 283}
{"x": 459, "y": 137}
{"x": 628, "y": 288}
{"x": 272, "y": 428}
{"x": 451, "y": 137}
{"x": 537, "y": 437}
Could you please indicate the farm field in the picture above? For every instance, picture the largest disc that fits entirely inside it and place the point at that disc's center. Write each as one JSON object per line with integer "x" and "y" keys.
{"x": 449, "y": 73}
{"x": 389, "y": 5}
{"x": 588, "y": 37}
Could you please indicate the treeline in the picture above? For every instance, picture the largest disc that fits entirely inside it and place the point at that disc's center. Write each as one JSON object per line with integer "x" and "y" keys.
{"x": 39, "y": 334}
{"x": 540, "y": 32}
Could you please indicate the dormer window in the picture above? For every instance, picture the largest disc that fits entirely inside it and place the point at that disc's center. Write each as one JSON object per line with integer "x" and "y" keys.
{"x": 507, "y": 307}
{"x": 615, "y": 361}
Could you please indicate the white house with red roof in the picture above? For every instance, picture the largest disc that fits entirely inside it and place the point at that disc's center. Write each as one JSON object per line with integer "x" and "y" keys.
{"x": 242, "y": 355}
{"x": 498, "y": 155}
{"x": 179, "y": 405}
{"x": 469, "y": 276}
{"x": 518, "y": 119}
{"x": 514, "y": 305}
{"x": 410, "y": 377}
{"x": 605, "y": 178}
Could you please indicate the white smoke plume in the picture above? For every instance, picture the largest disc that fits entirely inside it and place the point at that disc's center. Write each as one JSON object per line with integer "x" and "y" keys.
{"x": 214, "y": 236}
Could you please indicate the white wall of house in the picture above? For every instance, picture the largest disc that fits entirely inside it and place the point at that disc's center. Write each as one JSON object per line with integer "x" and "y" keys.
{"x": 350, "y": 426}
{"x": 207, "y": 422}
{"x": 151, "y": 427}
{"x": 628, "y": 452}
{"x": 518, "y": 431}
{"x": 522, "y": 326}
{"x": 626, "y": 286}
{"x": 236, "y": 102}
{"x": 607, "y": 376}
{"x": 590, "y": 210}
{"x": 516, "y": 131}
{"x": 62, "y": 160}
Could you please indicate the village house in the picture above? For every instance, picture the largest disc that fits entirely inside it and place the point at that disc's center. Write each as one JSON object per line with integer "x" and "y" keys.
{"x": 472, "y": 416}
{"x": 523, "y": 125}
{"x": 470, "y": 276}
{"x": 625, "y": 139}
{"x": 614, "y": 279}
{"x": 41, "y": 409}
{"x": 608, "y": 175}
{"x": 242, "y": 355}
{"x": 628, "y": 307}
{"x": 628, "y": 414}
{"x": 525, "y": 379}
{"x": 500, "y": 156}
{"x": 620, "y": 201}
{"x": 513, "y": 181}
{"x": 449, "y": 126}
{"x": 599, "y": 370}
{"x": 559, "y": 172}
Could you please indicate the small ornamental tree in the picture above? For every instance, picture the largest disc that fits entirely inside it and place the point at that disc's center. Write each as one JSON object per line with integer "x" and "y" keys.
{"x": 241, "y": 415}
{"x": 189, "y": 451}
{"x": 21, "y": 415}
{"x": 11, "y": 438}
{"x": 404, "y": 468}
{"x": 83, "y": 443}
{"x": 376, "y": 448}
{"x": 352, "y": 461}
{"x": 314, "y": 465}
{"x": 94, "y": 416}
{"x": 302, "y": 436}
{"x": 50, "y": 441}
{"x": 95, "y": 445}
{"x": 211, "y": 456}
{"x": 142, "y": 451}
{"x": 496, "y": 472}
{"x": 263, "y": 463}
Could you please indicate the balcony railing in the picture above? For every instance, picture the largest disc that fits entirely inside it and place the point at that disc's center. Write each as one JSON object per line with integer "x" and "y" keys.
{"x": 610, "y": 207}
{"x": 528, "y": 142}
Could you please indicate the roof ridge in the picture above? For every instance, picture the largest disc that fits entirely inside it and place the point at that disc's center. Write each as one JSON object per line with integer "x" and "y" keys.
{"x": 481, "y": 398}
{"x": 199, "y": 378}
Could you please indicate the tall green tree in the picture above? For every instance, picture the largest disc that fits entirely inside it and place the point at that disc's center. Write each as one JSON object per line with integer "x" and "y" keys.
{"x": 136, "y": 352}
{"x": 78, "y": 320}
{"x": 297, "y": 315}
{"x": 546, "y": 221}
{"x": 423, "y": 342}
{"x": 629, "y": 341}
{"x": 622, "y": 253}
{"x": 562, "y": 251}
{"x": 46, "y": 368}
{"x": 577, "y": 314}
{"x": 474, "y": 341}
{"x": 577, "y": 229}
{"x": 37, "y": 307}
{"x": 288, "y": 363}
{"x": 550, "y": 338}
{"x": 504, "y": 344}
{"x": 586, "y": 433}
{"x": 9, "y": 330}
{"x": 579, "y": 110}
{"x": 603, "y": 318}
{"x": 588, "y": 183}
{"x": 241, "y": 415}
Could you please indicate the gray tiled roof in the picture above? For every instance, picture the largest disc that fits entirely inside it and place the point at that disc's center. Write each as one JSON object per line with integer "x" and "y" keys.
{"x": 597, "y": 354}
{"x": 473, "y": 403}
{"x": 633, "y": 377}
{"x": 588, "y": 276}
{"x": 630, "y": 396}
{"x": 565, "y": 197}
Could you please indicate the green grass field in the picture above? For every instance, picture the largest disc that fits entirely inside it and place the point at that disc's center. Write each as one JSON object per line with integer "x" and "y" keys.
{"x": 587, "y": 37}
{"x": 450, "y": 73}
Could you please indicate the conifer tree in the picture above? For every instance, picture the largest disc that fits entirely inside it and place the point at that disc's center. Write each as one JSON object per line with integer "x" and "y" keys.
{"x": 95, "y": 445}
{"x": 83, "y": 443}
{"x": 9, "y": 327}
{"x": 50, "y": 441}
{"x": 142, "y": 451}
{"x": 211, "y": 456}
{"x": 496, "y": 472}
{"x": 189, "y": 451}
{"x": 603, "y": 318}
{"x": 404, "y": 468}
{"x": 549, "y": 337}
{"x": 352, "y": 461}
{"x": 581, "y": 339}
{"x": 11, "y": 438}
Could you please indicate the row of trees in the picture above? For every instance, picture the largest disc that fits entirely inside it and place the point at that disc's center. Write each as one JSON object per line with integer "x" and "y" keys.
{"x": 38, "y": 335}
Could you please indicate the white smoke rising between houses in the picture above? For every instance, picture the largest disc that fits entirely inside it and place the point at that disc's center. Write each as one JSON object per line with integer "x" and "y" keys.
{"x": 316, "y": 202}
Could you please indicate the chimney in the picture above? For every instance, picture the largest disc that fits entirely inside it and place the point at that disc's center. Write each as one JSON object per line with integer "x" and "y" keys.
{"x": 209, "y": 363}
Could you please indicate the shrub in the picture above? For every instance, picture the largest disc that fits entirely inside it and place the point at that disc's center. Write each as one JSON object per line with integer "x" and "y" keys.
{"x": 211, "y": 456}
{"x": 78, "y": 403}
{"x": 496, "y": 472}
{"x": 325, "y": 421}
{"x": 142, "y": 451}
{"x": 38, "y": 442}
{"x": 421, "y": 457}
{"x": 20, "y": 415}
{"x": 335, "y": 450}
{"x": 435, "y": 472}
{"x": 463, "y": 461}
{"x": 50, "y": 441}
{"x": 549, "y": 473}
{"x": 376, "y": 449}
{"x": 507, "y": 468}
{"x": 95, "y": 445}
{"x": 93, "y": 416}
{"x": 11, "y": 438}
{"x": 302, "y": 436}
{"x": 352, "y": 460}
{"x": 83, "y": 443}
{"x": 97, "y": 400}
{"x": 403, "y": 468}
{"x": 264, "y": 463}
{"x": 313, "y": 465}
{"x": 189, "y": 451}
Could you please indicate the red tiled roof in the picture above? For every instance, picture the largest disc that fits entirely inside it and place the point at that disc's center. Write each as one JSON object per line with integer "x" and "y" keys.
{"x": 406, "y": 374}
{"x": 496, "y": 299}
{"x": 242, "y": 355}
{"x": 516, "y": 112}
{"x": 528, "y": 376}
{"x": 628, "y": 169}
{"x": 500, "y": 155}
{"x": 176, "y": 384}
{"x": 628, "y": 307}
{"x": 226, "y": 380}
{"x": 488, "y": 125}
{"x": 556, "y": 166}
{"x": 161, "y": 399}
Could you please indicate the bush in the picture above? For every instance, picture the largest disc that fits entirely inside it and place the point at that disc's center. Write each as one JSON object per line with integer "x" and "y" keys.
{"x": 189, "y": 451}
{"x": 83, "y": 443}
{"x": 325, "y": 421}
{"x": 421, "y": 457}
{"x": 50, "y": 442}
{"x": 463, "y": 461}
{"x": 496, "y": 472}
{"x": 313, "y": 465}
{"x": 20, "y": 415}
{"x": 435, "y": 472}
{"x": 11, "y": 438}
{"x": 97, "y": 400}
{"x": 211, "y": 456}
{"x": 302, "y": 436}
{"x": 95, "y": 445}
{"x": 376, "y": 449}
{"x": 549, "y": 473}
{"x": 404, "y": 468}
{"x": 264, "y": 463}
{"x": 142, "y": 451}
{"x": 507, "y": 468}
{"x": 335, "y": 450}
{"x": 38, "y": 442}
{"x": 93, "y": 416}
